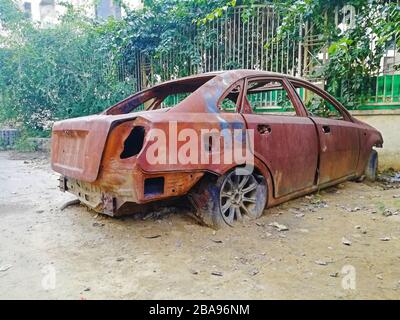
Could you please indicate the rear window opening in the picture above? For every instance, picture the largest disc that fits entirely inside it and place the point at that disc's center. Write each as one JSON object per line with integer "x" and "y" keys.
{"x": 133, "y": 143}
{"x": 153, "y": 186}
{"x": 165, "y": 95}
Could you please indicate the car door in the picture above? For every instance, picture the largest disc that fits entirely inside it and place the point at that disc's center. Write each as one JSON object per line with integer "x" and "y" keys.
{"x": 338, "y": 135}
{"x": 285, "y": 139}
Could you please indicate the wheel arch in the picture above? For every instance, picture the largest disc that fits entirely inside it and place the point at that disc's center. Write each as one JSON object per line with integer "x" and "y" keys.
{"x": 259, "y": 166}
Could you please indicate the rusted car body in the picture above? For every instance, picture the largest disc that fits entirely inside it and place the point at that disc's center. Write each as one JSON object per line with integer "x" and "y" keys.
{"x": 305, "y": 143}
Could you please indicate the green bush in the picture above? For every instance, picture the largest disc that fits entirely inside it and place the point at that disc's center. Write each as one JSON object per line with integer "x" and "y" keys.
{"x": 24, "y": 144}
{"x": 3, "y": 145}
{"x": 66, "y": 70}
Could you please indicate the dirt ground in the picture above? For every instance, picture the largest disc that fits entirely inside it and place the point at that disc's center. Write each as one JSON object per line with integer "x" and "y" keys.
{"x": 343, "y": 243}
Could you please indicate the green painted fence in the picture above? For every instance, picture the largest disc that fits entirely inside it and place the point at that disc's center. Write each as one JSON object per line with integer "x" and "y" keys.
{"x": 384, "y": 93}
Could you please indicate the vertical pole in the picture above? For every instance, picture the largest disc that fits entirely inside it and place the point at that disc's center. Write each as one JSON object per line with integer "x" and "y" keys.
{"x": 217, "y": 45}
{"x": 277, "y": 45}
{"x": 243, "y": 48}
{"x": 272, "y": 38}
{"x": 267, "y": 48}
{"x": 247, "y": 43}
{"x": 299, "y": 58}
{"x": 262, "y": 39}
{"x": 258, "y": 37}
{"x": 234, "y": 35}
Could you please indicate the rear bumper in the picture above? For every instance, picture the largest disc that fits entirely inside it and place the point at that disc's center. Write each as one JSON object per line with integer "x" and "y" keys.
{"x": 92, "y": 196}
{"x": 140, "y": 188}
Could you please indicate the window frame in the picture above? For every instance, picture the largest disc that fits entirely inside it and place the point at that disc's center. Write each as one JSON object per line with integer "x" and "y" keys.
{"x": 240, "y": 83}
{"x": 324, "y": 95}
{"x": 293, "y": 97}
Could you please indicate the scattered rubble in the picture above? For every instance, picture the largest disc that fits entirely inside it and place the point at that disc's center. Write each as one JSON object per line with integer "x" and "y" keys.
{"x": 5, "y": 267}
{"x": 98, "y": 224}
{"x": 70, "y": 203}
{"x": 153, "y": 236}
{"x": 346, "y": 241}
{"x": 321, "y": 262}
{"x": 389, "y": 179}
{"x": 280, "y": 227}
{"x": 390, "y": 212}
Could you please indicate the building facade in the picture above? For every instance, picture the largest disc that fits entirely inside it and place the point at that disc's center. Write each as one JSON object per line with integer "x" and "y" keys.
{"x": 49, "y": 11}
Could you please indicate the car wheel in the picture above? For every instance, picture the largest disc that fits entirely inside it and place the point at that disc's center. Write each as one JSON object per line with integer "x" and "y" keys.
{"x": 226, "y": 200}
{"x": 371, "y": 171}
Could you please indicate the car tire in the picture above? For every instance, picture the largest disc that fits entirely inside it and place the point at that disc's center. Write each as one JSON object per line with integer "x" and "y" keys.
{"x": 371, "y": 171}
{"x": 226, "y": 200}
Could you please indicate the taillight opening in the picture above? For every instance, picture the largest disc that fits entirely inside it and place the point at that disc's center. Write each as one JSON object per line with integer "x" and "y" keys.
{"x": 133, "y": 143}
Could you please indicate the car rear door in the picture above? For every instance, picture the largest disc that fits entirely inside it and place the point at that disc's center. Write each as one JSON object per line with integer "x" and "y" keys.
{"x": 285, "y": 138}
{"x": 338, "y": 135}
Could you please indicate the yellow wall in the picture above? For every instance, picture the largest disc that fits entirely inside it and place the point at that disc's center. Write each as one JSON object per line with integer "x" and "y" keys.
{"x": 388, "y": 123}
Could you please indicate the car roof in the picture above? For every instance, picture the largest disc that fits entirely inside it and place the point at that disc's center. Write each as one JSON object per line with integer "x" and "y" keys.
{"x": 216, "y": 81}
{"x": 240, "y": 73}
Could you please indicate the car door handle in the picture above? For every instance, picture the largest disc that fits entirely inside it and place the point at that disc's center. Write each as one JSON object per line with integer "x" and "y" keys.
{"x": 264, "y": 129}
{"x": 326, "y": 129}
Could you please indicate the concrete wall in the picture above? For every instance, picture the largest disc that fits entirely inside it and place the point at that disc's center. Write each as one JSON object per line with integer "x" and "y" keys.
{"x": 388, "y": 123}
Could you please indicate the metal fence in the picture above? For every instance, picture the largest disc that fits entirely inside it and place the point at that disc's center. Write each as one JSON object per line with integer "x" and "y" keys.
{"x": 8, "y": 137}
{"x": 233, "y": 42}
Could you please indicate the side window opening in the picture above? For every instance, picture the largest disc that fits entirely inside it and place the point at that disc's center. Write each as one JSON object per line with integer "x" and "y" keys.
{"x": 230, "y": 102}
{"x": 165, "y": 95}
{"x": 269, "y": 97}
{"x": 317, "y": 105}
{"x": 174, "y": 99}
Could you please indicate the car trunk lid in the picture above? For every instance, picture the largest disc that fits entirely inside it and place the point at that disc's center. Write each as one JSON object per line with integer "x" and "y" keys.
{"x": 78, "y": 144}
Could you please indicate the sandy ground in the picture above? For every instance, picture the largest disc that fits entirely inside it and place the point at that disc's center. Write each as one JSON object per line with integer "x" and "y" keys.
{"x": 343, "y": 243}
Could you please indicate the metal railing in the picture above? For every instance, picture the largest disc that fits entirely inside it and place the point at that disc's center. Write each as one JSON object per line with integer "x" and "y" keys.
{"x": 233, "y": 42}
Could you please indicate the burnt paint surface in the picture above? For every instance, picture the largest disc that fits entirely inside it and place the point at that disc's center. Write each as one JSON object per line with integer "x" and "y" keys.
{"x": 289, "y": 149}
{"x": 295, "y": 157}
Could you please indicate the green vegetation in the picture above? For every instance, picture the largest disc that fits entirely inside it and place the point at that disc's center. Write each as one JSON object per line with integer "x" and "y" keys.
{"x": 81, "y": 66}
{"x": 354, "y": 53}
{"x": 56, "y": 72}
{"x": 24, "y": 144}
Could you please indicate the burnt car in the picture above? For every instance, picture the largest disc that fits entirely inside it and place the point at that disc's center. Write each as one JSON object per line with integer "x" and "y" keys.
{"x": 297, "y": 139}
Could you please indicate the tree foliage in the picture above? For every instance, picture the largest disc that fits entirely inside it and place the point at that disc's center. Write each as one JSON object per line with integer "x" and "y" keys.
{"x": 355, "y": 52}
{"x": 73, "y": 68}
{"x": 55, "y": 72}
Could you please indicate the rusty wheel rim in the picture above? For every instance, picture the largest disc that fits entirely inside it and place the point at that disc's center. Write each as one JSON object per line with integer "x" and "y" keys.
{"x": 238, "y": 197}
